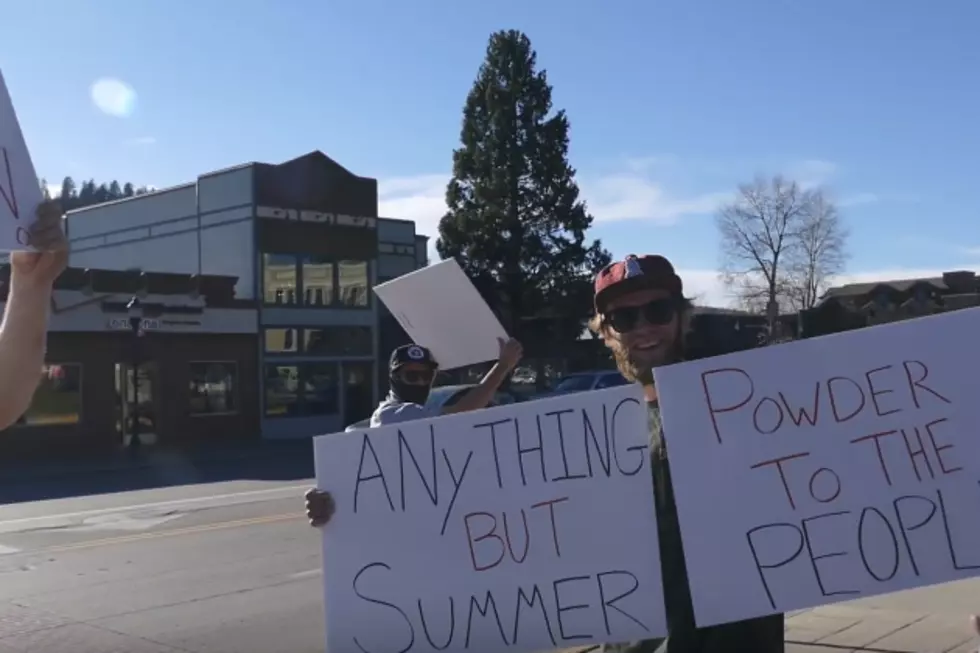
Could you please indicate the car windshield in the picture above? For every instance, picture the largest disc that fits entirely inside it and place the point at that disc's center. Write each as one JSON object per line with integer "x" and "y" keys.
{"x": 575, "y": 383}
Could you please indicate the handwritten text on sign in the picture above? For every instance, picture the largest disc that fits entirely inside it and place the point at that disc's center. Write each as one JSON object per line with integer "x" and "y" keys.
{"x": 827, "y": 469}
{"x": 527, "y": 527}
{"x": 20, "y": 193}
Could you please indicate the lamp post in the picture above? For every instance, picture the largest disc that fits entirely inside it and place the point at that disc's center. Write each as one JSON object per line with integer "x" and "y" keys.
{"x": 135, "y": 310}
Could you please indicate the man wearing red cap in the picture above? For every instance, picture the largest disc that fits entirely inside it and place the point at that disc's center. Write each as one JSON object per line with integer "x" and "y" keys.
{"x": 644, "y": 319}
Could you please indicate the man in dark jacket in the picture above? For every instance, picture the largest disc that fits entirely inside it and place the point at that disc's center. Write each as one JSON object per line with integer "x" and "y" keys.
{"x": 642, "y": 316}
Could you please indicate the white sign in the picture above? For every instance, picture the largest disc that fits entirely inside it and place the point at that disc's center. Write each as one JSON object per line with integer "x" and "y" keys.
{"x": 439, "y": 308}
{"x": 827, "y": 469}
{"x": 527, "y": 527}
{"x": 20, "y": 192}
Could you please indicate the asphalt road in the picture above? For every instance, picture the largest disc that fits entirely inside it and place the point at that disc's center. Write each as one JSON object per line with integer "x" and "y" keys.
{"x": 213, "y": 565}
{"x": 226, "y": 567}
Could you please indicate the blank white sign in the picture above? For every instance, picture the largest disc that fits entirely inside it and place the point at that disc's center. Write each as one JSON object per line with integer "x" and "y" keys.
{"x": 440, "y": 309}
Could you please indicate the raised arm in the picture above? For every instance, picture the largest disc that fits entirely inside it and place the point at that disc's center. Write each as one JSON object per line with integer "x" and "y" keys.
{"x": 25, "y": 319}
{"x": 480, "y": 396}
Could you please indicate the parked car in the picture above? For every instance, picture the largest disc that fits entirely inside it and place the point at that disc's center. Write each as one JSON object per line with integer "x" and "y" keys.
{"x": 444, "y": 396}
{"x": 585, "y": 381}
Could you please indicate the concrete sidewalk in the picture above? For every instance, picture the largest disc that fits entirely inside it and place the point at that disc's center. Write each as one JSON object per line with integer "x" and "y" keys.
{"x": 927, "y": 620}
{"x": 850, "y": 627}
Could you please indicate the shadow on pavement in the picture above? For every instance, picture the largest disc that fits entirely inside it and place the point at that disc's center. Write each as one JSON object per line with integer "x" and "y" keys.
{"x": 149, "y": 469}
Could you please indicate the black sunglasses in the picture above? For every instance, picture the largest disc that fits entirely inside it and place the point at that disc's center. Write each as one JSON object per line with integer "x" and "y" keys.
{"x": 657, "y": 312}
{"x": 416, "y": 377}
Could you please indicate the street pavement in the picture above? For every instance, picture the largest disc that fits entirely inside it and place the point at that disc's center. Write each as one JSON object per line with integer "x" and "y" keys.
{"x": 230, "y": 566}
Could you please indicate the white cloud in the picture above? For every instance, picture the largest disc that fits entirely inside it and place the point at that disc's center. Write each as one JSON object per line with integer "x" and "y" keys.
{"x": 706, "y": 287}
{"x": 140, "y": 141}
{"x": 625, "y": 195}
{"x": 113, "y": 97}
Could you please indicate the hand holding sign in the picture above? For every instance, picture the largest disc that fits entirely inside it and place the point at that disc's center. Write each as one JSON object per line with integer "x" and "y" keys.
{"x": 20, "y": 193}
{"x": 511, "y": 353}
{"x": 38, "y": 269}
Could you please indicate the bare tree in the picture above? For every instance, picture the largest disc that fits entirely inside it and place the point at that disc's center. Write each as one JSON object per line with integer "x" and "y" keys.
{"x": 780, "y": 244}
{"x": 819, "y": 254}
{"x": 758, "y": 230}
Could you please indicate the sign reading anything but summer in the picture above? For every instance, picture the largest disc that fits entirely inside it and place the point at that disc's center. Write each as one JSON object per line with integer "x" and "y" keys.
{"x": 20, "y": 193}
{"x": 827, "y": 469}
{"x": 526, "y": 527}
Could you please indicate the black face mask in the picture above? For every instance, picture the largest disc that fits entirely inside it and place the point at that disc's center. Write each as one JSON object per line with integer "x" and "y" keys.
{"x": 409, "y": 393}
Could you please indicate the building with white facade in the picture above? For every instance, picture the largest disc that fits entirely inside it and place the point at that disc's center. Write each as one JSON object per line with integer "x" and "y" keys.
{"x": 305, "y": 244}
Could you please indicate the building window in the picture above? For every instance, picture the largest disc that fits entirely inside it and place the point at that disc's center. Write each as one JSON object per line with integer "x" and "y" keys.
{"x": 339, "y": 341}
{"x": 353, "y": 283}
{"x": 213, "y": 386}
{"x": 281, "y": 390}
{"x": 58, "y": 398}
{"x": 318, "y": 277}
{"x": 304, "y": 389}
{"x": 281, "y": 341}
{"x": 320, "y": 388}
{"x": 279, "y": 277}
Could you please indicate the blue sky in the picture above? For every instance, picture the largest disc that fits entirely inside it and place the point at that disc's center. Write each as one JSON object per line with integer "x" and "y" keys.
{"x": 672, "y": 104}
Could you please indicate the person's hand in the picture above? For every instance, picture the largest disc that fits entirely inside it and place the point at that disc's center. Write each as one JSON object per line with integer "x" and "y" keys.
{"x": 319, "y": 507}
{"x": 47, "y": 235}
{"x": 511, "y": 352}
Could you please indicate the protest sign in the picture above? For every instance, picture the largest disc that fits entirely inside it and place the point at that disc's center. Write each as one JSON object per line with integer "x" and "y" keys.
{"x": 20, "y": 192}
{"x": 440, "y": 309}
{"x": 828, "y": 469}
{"x": 527, "y": 527}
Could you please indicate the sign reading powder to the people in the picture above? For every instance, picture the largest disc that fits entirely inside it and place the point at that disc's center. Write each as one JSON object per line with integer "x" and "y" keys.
{"x": 827, "y": 469}
{"x": 526, "y": 527}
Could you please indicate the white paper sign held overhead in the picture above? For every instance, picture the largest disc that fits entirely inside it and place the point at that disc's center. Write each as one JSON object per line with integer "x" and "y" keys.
{"x": 20, "y": 193}
{"x": 528, "y": 527}
{"x": 829, "y": 469}
{"x": 440, "y": 309}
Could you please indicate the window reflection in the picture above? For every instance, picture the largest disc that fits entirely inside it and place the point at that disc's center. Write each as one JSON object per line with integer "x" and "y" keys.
{"x": 317, "y": 281}
{"x": 58, "y": 398}
{"x": 339, "y": 341}
{"x": 281, "y": 390}
{"x": 278, "y": 341}
{"x": 353, "y": 282}
{"x": 279, "y": 278}
{"x": 213, "y": 387}
{"x": 320, "y": 388}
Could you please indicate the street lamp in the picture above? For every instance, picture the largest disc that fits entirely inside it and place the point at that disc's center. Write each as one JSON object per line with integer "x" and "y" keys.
{"x": 135, "y": 310}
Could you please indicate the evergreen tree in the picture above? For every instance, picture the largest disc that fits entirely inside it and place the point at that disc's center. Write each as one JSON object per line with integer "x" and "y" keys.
{"x": 515, "y": 222}
{"x": 128, "y": 190}
{"x": 45, "y": 191}
{"x": 86, "y": 195}
{"x": 69, "y": 193}
{"x": 115, "y": 190}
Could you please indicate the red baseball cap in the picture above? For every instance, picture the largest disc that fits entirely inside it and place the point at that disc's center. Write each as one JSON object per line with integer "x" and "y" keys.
{"x": 648, "y": 272}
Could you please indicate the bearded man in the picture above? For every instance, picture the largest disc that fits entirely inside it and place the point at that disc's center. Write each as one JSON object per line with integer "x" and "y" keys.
{"x": 644, "y": 319}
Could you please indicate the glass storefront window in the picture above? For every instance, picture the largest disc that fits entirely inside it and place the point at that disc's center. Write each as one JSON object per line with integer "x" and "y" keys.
{"x": 279, "y": 279}
{"x": 320, "y": 388}
{"x": 318, "y": 277}
{"x": 58, "y": 398}
{"x": 353, "y": 283}
{"x": 281, "y": 341}
{"x": 213, "y": 387}
{"x": 282, "y": 390}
